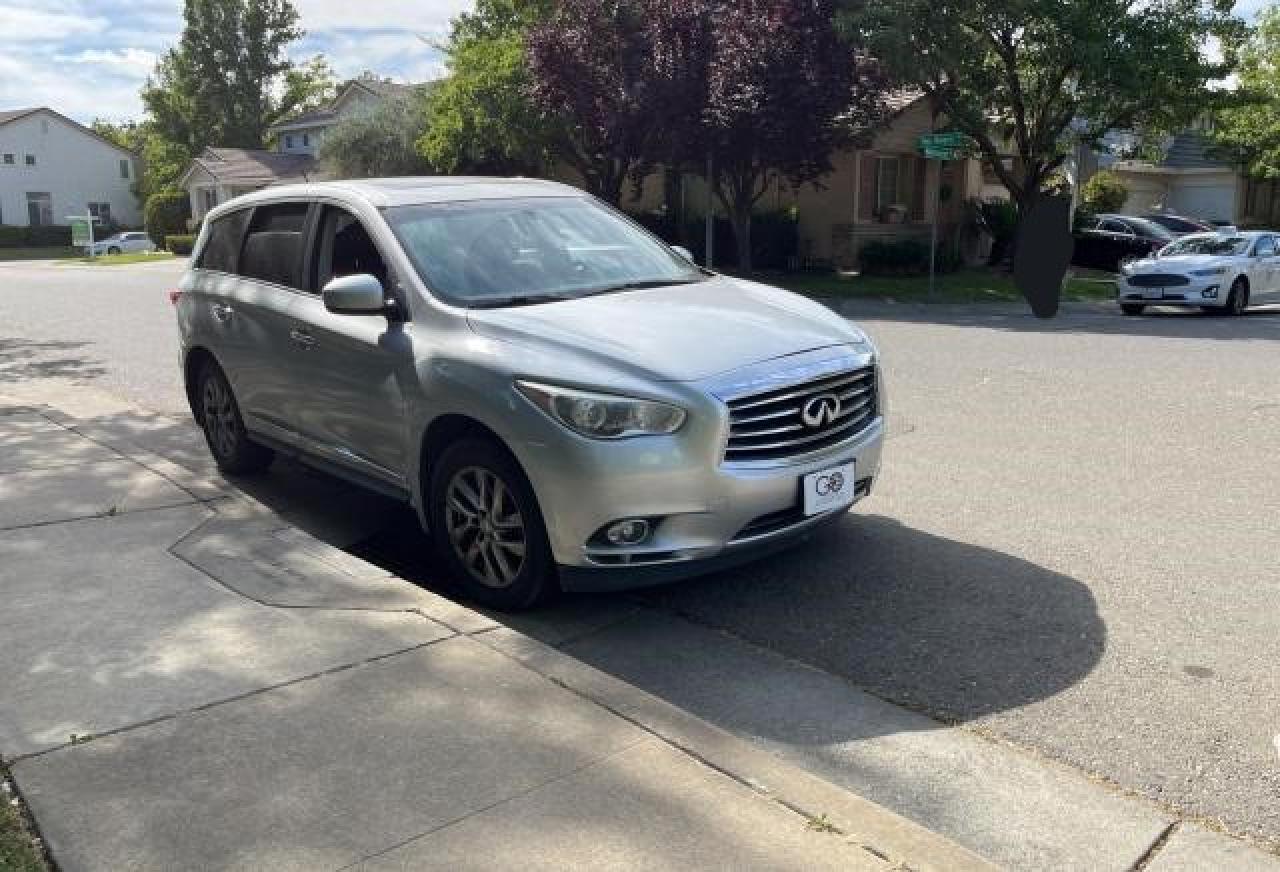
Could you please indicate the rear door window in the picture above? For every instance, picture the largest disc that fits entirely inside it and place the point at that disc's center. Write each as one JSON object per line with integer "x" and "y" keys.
{"x": 273, "y": 244}
{"x": 222, "y": 250}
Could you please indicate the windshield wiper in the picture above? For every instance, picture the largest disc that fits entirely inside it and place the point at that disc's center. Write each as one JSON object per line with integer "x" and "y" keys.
{"x": 641, "y": 285}
{"x": 520, "y": 300}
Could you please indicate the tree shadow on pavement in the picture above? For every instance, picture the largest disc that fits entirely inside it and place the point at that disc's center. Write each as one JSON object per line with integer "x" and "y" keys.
{"x": 24, "y": 359}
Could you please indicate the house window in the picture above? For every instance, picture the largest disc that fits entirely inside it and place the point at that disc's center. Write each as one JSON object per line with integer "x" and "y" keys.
{"x": 31, "y": 160}
{"x": 39, "y": 208}
{"x": 306, "y": 139}
{"x": 101, "y": 211}
{"x": 886, "y": 182}
{"x": 288, "y": 141}
{"x": 8, "y": 159}
{"x": 124, "y": 169}
{"x": 210, "y": 198}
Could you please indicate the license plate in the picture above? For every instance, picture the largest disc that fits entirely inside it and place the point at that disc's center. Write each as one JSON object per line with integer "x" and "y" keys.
{"x": 828, "y": 489}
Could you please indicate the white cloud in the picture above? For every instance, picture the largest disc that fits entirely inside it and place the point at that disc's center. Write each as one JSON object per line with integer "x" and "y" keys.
{"x": 411, "y": 15}
{"x": 76, "y": 90}
{"x": 129, "y": 61}
{"x": 400, "y": 55}
{"x": 24, "y": 24}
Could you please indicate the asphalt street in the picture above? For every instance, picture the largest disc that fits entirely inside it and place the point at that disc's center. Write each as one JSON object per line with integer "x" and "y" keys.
{"x": 1075, "y": 544}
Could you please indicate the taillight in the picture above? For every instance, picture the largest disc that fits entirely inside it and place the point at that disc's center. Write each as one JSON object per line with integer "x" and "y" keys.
{"x": 174, "y": 296}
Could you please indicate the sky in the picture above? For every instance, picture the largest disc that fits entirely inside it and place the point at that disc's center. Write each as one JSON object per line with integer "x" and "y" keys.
{"x": 88, "y": 58}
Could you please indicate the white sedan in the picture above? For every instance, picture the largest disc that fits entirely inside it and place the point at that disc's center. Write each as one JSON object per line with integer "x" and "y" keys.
{"x": 1223, "y": 272}
{"x": 124, "y": 242}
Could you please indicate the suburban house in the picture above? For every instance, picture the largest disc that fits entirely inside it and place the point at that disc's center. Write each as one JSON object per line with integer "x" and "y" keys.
{"x": 1190, "y": 180}
{"x": 52, "y": 167}
{"x": 219, "y": 174}
{"x": 880, "y": 190}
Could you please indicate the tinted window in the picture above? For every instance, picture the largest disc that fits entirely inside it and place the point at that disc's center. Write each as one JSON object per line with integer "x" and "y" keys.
{"x": 1266, "y": 247}
{"x": 273, "y": 243}
{"x": 1114, "y": 227}
{"x": 344, "y": 248}
{"x": 1149, "y": 229}
{"x": 225, "y": 233}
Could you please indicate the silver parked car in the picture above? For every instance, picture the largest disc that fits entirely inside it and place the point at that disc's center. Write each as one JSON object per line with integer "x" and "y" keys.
{"x": 566, "y": 401}
{"x": 122, "y": 243}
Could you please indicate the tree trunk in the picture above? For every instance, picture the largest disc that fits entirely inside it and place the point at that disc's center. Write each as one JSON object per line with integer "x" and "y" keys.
{"x": 742, "y": 236}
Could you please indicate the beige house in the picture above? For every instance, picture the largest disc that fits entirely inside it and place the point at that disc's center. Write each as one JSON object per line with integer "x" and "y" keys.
{"x": 882, "y": 191}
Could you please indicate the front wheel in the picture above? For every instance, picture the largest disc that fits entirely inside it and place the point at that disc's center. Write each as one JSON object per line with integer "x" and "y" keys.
{"x": 224, "y": 428}
{"x": 487, "y": 528}
{"x": 1132, "y": 308}
{"x": 1237, "y": 299}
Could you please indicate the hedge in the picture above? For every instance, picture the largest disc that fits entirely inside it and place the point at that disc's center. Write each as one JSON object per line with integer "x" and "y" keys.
{"x": 46, "y": 235}
{"x": 166, "y": 214}
{"x": 180, "y": 243}
{"x": 904, "y": 257}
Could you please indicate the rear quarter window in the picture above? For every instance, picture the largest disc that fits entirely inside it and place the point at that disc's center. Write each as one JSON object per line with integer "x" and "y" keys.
{"x": 222, "y": 249}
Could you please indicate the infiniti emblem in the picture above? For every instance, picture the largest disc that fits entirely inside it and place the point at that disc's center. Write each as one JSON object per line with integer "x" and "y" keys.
{"x": 820, "y": 411}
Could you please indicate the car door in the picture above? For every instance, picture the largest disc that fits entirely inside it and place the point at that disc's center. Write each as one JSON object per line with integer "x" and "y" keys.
{"x": 256, "y": 311}
{"x": 1263, "y": 268}
{"x": 350, "y": 371}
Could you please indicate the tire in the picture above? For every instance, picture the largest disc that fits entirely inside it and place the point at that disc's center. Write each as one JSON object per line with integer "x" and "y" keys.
{"x": 1132, "y": 308}
{"x": 113, "y": 250}
{"x": 491, "y": 538}
{"x": 219, "y": 417}
{"x": 1237, "y": 298}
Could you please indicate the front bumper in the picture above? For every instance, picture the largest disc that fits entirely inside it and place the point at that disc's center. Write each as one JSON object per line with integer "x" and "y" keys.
{"x": 706, "y": 513}
{"x": 1201, "y": 292}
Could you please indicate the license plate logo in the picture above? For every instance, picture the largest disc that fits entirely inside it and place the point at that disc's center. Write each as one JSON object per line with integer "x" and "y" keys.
{"x": 828, "y": 489}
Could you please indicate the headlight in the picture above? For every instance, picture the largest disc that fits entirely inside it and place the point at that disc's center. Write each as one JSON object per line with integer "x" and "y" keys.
{"x": 1214, "y": 271}
{"x": 603, "y": 416}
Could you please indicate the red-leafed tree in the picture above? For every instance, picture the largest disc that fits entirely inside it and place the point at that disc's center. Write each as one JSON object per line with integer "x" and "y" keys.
{"x": 592, "y": 67}
{"x": 783, "y": 92}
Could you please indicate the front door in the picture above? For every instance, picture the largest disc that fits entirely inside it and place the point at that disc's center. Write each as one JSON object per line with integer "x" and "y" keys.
{"x": 1264, "y": 277}
{"x": 350, "y": 371}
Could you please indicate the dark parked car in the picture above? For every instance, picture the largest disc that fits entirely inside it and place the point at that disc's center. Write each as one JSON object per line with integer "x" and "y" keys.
{"x": 1180, "y": 225}
{"x": 1108, "y": 241}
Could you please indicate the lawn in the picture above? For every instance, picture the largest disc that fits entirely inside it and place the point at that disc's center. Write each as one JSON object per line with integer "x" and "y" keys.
{"x": 117, "y": 259}
{"x": 964, "y": 286}
{"x": 16, "y": 851}
{"x": 57, "y": 252}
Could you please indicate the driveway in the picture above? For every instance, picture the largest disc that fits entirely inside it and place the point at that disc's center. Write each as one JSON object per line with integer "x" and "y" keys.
{"x": 1073, "y": 547}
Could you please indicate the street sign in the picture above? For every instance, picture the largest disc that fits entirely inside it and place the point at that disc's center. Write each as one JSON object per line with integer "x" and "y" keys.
{"x": 950, "y": 145}
{"x": 81, "y": 232}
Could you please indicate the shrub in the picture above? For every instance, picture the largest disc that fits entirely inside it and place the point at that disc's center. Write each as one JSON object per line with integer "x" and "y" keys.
{"x": 775, "y": 237}
{"x": 35, "y": 237}
{"x": 166, "y": 214}
{"x": 179, "y": 243}
{"x": 1000, "y": 219}
{"x": 1104, "y": 192}
{"x": 894, "y": 257}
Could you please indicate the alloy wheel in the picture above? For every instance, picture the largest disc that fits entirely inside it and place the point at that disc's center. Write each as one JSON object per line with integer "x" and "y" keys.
{"x": 485, "y": 526}
{"x": 219, "y": 416}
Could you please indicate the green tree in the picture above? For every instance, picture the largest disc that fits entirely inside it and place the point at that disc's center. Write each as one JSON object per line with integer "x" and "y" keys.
{"x": 1104, "y": 192}
{"x": 1030, "y": 79}
{"x": 1249, "y": 130}
{"x": 481, "y": 119}
{"x": 229, "y": 79}
{"x": 380, "y": 142}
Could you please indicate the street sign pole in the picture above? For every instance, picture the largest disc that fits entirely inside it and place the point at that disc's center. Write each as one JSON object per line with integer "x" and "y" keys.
{"x": 941, "y": 147}
{"x": 709, "y": 256}
{"x": 933, "y": 233}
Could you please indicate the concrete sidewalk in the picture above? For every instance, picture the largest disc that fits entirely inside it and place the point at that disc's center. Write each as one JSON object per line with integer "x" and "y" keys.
{"x": 192, "y": 682}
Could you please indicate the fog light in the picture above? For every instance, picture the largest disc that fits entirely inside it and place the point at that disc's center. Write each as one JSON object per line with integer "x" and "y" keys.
{"x": 1211, "y": 291}
{"x": 632, "y": 531}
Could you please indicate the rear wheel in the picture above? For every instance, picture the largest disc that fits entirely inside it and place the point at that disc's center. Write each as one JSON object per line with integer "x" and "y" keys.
{"x": 487, "y": 527}
{"x": 224, "y": 428}
{"x": 1132, "y": 308}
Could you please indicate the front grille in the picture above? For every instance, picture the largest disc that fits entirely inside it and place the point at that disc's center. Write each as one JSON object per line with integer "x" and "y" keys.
{"x": 1158, "y": 280}
{"x": 771, "y": 425}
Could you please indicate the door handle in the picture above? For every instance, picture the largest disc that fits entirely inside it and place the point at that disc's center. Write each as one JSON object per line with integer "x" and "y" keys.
{"x": 222, "y": 311}
{"x": 302, "y": 337}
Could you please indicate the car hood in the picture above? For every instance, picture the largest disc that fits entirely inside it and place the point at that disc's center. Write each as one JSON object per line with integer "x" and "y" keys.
{"x": 677, "y": 332}
{"x": 1180, "y": 263}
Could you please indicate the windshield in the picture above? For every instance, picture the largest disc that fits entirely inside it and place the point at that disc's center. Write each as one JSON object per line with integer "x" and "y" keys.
{"x": 1149, "y": 229}
{"x": 1222, "y": 245}
{"x": 507, "y": 252}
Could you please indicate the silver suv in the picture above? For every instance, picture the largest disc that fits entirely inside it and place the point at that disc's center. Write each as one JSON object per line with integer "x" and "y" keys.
{"x": 567, "y": 402}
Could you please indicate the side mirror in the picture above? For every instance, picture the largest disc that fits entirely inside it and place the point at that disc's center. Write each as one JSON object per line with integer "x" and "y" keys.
{"x": 359, "y": 294}
{"x": 683, "y": 252}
